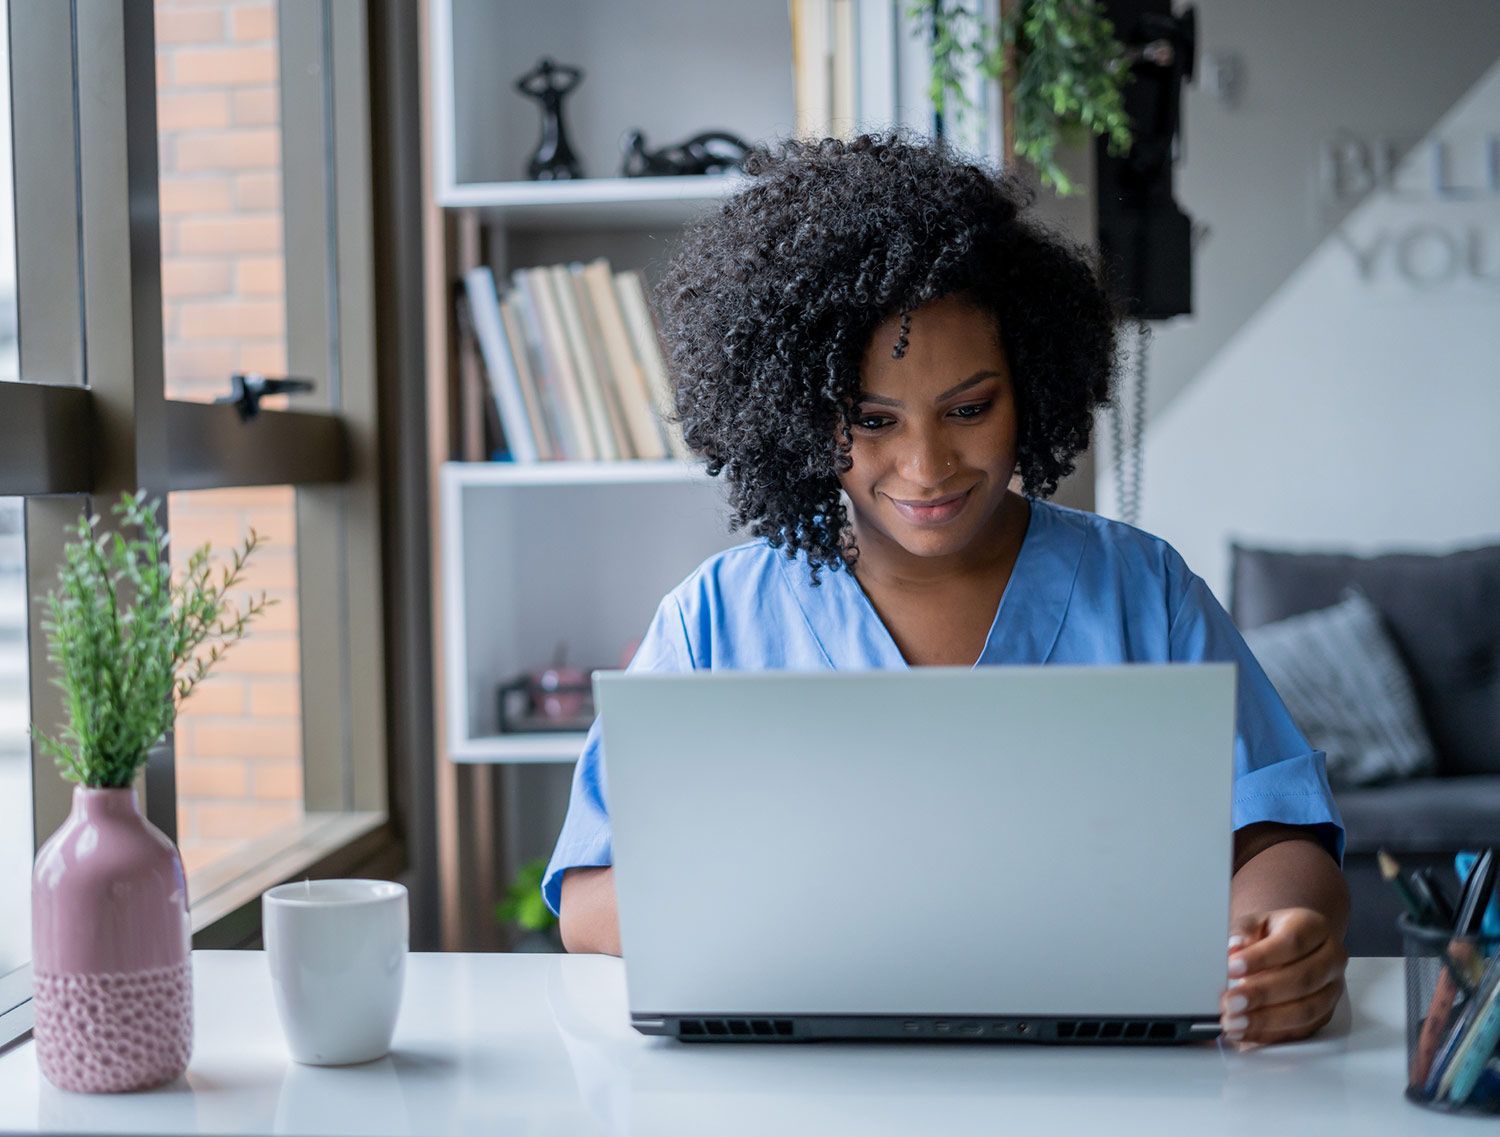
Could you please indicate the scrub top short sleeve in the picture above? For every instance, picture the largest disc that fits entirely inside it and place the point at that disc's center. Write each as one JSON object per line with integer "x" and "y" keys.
{"x": 1278, "y": 775}
{"x": 585, "y": 840}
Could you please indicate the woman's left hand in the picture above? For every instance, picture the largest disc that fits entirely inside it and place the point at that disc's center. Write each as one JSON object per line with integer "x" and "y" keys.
{"x": 1286, "y": 973}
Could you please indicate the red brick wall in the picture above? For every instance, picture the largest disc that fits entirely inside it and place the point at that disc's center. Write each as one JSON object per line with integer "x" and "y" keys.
{"x": 239, "y": 752}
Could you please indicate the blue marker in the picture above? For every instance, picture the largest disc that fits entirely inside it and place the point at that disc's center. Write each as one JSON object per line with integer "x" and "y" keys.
{"x": 1463, "y": 864}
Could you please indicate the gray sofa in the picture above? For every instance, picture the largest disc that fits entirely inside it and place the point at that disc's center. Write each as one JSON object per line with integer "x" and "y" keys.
{"x": 1443, "y": 612}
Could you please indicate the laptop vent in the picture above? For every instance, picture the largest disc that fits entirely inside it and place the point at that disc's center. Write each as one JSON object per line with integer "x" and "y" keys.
{"x": 1088, "y": 1029}
{"x": 737, "y": 1028}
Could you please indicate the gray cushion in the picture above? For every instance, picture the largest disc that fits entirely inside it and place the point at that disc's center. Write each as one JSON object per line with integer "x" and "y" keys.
{"x": 1347, "y": 690}
{"x": 1422, "y": 815}
{"x": 1443, "y": 612}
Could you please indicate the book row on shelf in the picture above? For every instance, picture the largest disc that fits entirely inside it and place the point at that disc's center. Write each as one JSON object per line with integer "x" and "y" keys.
{"x": 574, "y": 364}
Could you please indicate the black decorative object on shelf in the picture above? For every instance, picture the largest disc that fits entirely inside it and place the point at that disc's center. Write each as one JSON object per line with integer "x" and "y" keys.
{"x": 547, "y": 83}
{"x": 712, "y": 152}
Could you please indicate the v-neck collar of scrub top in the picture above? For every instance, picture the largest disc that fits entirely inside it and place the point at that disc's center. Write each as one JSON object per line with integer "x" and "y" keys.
{"x": 852, "y": 636}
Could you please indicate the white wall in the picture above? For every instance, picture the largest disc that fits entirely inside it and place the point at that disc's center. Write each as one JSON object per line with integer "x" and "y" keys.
{"x": 1360, "y": 405}
{"x": 1248, "y": 169}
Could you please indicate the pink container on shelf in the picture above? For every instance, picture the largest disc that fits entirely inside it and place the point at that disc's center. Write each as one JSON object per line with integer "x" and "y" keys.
{"x": 110, "y": 937}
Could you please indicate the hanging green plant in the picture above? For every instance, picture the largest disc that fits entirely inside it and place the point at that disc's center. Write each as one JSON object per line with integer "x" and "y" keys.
{"x": 1059, "y": 61}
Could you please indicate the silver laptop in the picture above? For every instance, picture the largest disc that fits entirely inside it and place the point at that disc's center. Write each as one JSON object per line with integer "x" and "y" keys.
{"x": 1005, "y": 853}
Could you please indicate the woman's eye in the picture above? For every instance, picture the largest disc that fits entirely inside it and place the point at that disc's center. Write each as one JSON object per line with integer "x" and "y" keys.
{"x": 971, "y": 410}
{"x": 871, "y": 422}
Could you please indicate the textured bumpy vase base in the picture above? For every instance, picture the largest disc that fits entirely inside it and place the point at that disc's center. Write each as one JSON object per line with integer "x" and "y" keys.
{"x": 100, "y": 1034}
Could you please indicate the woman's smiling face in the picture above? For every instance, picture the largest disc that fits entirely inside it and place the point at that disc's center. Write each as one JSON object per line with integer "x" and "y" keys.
{"x": 934, "y": 440}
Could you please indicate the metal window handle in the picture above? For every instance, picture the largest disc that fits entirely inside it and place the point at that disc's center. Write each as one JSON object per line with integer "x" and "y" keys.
{"x": 246, "y": 391}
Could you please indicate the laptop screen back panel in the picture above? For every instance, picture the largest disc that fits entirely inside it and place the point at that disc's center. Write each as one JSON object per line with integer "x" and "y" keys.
{"x": 1048, "y": 841}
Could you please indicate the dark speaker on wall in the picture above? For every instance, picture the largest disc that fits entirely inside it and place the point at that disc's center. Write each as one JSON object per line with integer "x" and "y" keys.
{"x": 1144, "y": 237}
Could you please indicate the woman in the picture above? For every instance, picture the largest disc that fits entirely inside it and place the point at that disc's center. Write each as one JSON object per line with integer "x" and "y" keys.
{"x": 869, "y": 343}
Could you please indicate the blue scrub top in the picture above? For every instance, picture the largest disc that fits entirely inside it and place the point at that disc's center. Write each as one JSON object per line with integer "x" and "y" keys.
{"x": 1084, "y": 589}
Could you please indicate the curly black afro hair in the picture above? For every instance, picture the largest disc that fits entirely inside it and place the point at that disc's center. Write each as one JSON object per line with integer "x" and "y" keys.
{"x": 770, "y": 302}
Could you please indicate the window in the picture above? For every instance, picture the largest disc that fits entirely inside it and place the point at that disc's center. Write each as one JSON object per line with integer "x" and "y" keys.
{"x": 15, "y": 752}
{"x": 239, "y": 738}
{"x": 10, "y": 362}
{"x": 219, "y": 151}
{"x": 219, "y": 148}
{"x": 171, "y": 135}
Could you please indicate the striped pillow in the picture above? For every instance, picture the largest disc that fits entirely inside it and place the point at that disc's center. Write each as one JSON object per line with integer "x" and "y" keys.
{"x": 1346, "y": 688}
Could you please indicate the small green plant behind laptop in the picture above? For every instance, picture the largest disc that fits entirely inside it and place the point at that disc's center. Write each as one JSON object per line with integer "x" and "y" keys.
{"x": 523, "y": 906}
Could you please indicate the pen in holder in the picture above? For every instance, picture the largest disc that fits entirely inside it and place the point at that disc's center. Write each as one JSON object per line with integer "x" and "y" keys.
{"x": 1452, "y": 1019}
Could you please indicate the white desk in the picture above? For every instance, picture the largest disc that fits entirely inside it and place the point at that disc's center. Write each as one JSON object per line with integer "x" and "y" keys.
{"x": 539, "y": 1045}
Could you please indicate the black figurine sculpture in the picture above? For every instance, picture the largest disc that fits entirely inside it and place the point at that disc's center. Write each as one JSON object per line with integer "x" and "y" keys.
{"x": 547, "y": 83}
{"x": 712, "y": 152}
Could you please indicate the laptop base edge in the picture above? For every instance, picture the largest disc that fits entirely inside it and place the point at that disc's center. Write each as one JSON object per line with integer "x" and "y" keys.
{"x": 1152, "y": 1030}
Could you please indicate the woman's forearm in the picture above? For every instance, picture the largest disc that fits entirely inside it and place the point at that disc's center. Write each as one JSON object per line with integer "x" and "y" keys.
{"x": 1279, "y": 866}
{"x": 588, "y": 918}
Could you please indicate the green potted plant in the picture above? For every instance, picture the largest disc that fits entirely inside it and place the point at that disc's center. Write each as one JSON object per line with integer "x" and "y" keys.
{"x": 1058, "y": 61}
{"x": 110, "y": 929}
{"x": 524, "y": 911}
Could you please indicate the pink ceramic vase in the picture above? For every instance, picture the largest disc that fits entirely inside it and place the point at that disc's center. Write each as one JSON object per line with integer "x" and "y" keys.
{"x": 110, "y": 938}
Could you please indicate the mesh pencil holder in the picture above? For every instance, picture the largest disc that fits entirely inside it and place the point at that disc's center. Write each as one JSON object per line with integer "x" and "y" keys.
{"x": 1452, "y": 1020}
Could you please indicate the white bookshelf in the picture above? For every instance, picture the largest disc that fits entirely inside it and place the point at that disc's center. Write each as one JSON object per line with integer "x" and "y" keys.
{"x": 574, "y": 552}
{"x": 533, "y": 555}
{"x": 584, "y": 552}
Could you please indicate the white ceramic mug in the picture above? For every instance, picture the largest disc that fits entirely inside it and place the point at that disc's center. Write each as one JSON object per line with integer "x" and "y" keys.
{"x": 337, "y": 953}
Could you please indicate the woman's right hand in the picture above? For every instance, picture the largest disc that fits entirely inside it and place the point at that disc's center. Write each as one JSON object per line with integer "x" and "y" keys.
{"x": 588, "y": 918}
